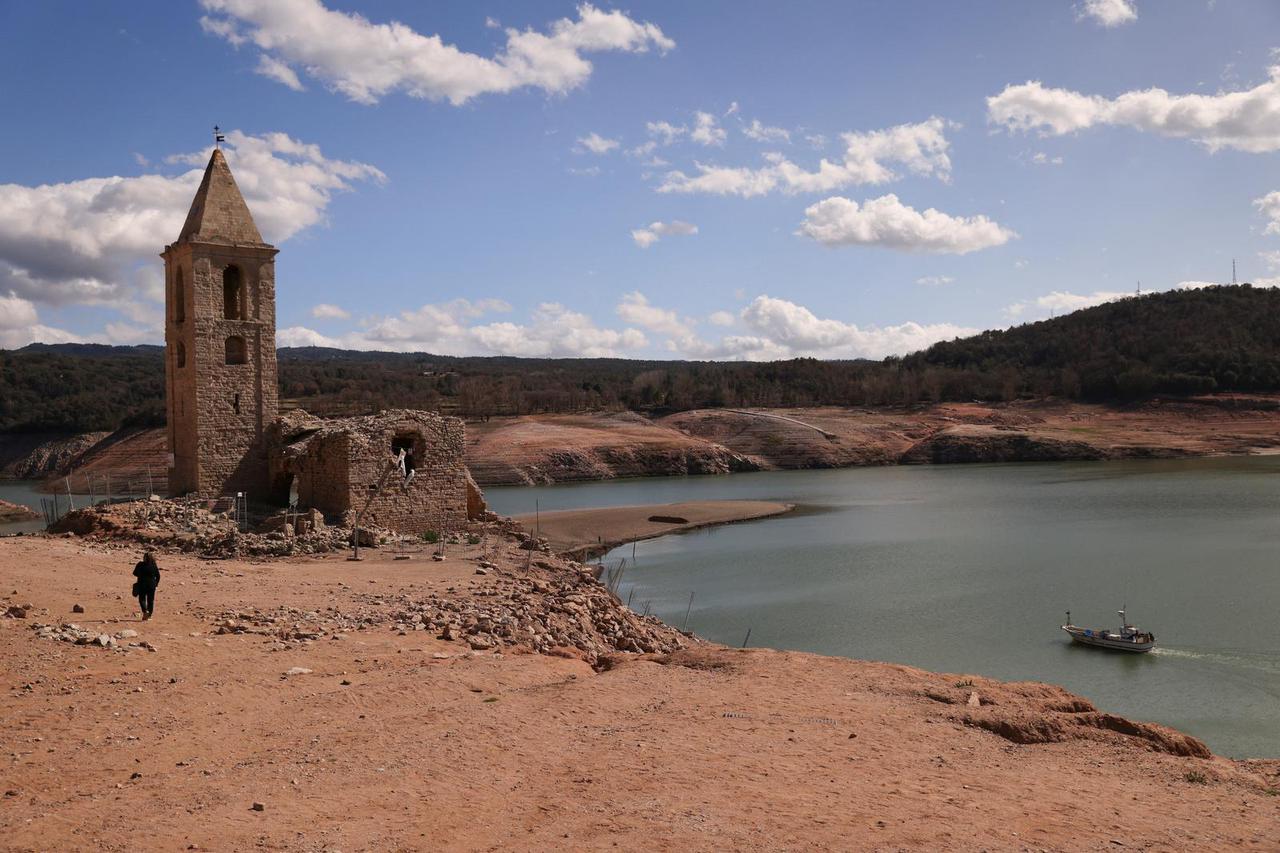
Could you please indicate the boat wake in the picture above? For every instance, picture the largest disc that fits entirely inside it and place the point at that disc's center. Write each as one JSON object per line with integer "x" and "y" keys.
{"x": 1231, "y": 657}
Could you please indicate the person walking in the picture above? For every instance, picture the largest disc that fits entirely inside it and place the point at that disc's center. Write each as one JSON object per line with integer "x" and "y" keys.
{"x": 147, "y": 573}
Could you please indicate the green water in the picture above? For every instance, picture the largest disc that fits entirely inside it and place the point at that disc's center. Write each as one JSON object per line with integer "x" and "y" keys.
{"x": 968, "y": 568}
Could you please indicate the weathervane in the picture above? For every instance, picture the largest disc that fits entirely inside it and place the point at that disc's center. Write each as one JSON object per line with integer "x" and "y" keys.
{"x": 218, "y": 137}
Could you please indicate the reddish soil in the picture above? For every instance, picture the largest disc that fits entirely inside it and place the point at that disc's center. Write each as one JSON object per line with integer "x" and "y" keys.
{"x": 395, "y": 741}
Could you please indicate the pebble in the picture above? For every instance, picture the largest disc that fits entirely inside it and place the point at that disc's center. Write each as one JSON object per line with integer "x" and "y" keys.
{"x": 296, "y": 670}
{"x": 259, "y": 807}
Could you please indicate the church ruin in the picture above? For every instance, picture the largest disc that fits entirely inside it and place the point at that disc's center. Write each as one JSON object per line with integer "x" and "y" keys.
{"x": 402, "y": 470}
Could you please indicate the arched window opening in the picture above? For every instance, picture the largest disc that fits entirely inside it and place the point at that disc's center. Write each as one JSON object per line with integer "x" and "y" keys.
{"x": 179, "y": 297}
{"x": 236, "y": 352}
{"x": 180, "y": 354}
{"x": 232, "y": 294}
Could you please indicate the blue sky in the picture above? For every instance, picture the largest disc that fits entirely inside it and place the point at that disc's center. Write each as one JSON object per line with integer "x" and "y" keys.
{"x": 485, "y": 177}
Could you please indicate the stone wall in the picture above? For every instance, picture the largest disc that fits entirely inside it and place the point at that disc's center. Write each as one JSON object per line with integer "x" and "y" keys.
{"x": 339, "y": 465}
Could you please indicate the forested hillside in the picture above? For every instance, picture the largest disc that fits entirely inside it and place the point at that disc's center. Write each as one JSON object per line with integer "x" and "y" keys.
{"x": 1192, "y": 341}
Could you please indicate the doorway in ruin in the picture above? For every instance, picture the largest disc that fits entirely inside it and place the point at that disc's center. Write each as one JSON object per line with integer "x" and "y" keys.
{"x": 407, "y": 442}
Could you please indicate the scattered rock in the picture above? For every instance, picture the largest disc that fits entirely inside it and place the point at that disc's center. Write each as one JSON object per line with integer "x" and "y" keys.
{"x": 259, "y": 807}
{"x": 77, "y": 608}
{"x": 297, "y": 670}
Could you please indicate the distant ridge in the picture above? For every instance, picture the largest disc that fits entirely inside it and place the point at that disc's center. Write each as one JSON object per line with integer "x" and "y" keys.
{"x": 1213, "y": 339}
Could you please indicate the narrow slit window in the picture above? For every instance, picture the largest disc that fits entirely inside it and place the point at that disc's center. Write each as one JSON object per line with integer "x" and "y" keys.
{"x": 232, "y": 294}
{"x": 235, "y": 404}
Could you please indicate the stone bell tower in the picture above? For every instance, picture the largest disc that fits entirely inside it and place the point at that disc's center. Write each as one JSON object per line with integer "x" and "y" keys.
{"x": 220, "y": 343}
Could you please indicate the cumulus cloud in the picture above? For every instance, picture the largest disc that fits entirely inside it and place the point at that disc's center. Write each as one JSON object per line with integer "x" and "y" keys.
{"x": 1108, "y": 13}
{"x": 707, "y": 130}
{"x": 784, "y": 326}
{"x": 654, "y": 231}
{"x": 887, "y": 222}
{"x": 868, "y": 159}
{"x": 365, "y": 61}
{"x": 325, "y": 311}
{"x": 636, "y": 309}
{"x": 596, "y": 144}
{"x": 453, "y": 328}
{"x": 20, "y": 325}
{"x": 1042, "y": 159}
{"x": 1246, "y": 120}
{"x": 1269, "y": 206}
{"x": 764, "y": 133}
{"x": 95, "y": 241}
{"x": 777, "y": 329}
{"x": 934, "y": 280}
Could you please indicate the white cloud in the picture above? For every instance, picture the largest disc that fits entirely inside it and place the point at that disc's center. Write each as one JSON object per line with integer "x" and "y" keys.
{"x": 886, "y": 221}
{"x": 597, "y": 144}
{"x": 95, "y": 241}
{"x": 651, "y": 233}
{"x": 365, "y": 61}
{"x": 785, "y": 326}
{"x": 588, "y": 172}
{"x": 1108, "y": 13}
{"x": 732, "y": 110}
{"x": 707, "y": 130}
{"x": 1042, "y": 159}
{"x": 1246, "y": 120}
{"x": 921, "y": 148}
{"x": 665, "y": 132}
{"x": 764, "y": 133}
{"x": 20, "y": 325}
{"x": 721, "y": 318}
{"x": 1269, "y": 206}
{"x": 274, "y": 69}
{"x": 1194, "y": 285}
{"x": 451, "y": 328}
{"x": 1064, "y": 301}
{"x": 636, "y": 309}
{"x": 325, "y": 311}
{"x": 934, "y": 280}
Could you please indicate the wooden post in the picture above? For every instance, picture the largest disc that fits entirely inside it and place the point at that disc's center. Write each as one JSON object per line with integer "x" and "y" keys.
{"x": 686, "y": 613}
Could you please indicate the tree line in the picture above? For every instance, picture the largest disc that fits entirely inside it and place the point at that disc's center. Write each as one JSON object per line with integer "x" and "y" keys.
{"x": 1181, "y": 342}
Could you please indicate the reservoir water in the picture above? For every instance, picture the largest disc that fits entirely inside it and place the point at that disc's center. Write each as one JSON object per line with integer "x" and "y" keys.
{"x": 969, "y": 569}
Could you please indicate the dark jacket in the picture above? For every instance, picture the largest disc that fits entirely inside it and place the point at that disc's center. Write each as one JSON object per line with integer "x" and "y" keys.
{"x": 148, "y": 575}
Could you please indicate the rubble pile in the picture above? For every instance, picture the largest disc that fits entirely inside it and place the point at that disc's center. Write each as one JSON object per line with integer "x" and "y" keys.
{"x": 69, "y": 632}
{"x": 292, "y": 625}
{"x": 193, "y": 526}
{"x": 553, "y": 613}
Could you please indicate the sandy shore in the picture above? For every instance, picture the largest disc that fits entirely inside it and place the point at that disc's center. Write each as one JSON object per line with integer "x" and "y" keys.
{"x": 394, "y": 740}
{"x": 587, "y": 532}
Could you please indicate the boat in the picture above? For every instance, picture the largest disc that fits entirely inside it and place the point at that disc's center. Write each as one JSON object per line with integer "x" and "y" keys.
{"x": 1127, "y": 639}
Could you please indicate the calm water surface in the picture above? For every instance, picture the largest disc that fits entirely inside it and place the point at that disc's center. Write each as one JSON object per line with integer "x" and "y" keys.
{"x": 968, "y": 568}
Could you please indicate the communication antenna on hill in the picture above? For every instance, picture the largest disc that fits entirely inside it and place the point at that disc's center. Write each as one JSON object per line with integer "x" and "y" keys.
{"x": 1233, "y": 270}
{"x": 1139, "y": 293}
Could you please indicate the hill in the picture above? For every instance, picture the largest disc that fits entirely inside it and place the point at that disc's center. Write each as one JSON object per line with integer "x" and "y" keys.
{"x": 1180, "y": 342}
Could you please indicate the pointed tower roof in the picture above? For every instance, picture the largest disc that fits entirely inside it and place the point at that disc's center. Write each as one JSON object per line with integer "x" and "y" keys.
{"x": 218, "y": 212}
